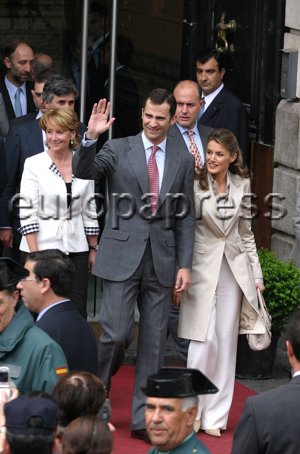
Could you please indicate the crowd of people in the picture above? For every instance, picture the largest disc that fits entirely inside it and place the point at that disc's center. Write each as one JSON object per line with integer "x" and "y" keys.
{"x": 176, "y": 241}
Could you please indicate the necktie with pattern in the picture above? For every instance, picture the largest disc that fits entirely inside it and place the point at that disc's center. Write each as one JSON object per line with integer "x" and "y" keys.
{"x": 194, "y": 151}
{"x": 18, "y": 107}
{"x": 153, "y": 179}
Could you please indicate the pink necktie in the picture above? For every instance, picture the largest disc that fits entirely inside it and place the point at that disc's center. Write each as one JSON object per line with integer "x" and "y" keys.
{"x": 194, "y": 151}
{"x": 153, "y": 179}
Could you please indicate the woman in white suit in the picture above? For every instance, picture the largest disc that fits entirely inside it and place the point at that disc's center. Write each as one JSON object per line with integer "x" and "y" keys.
{"x": 222, "y": 297}
{"x": 58, "y": 209}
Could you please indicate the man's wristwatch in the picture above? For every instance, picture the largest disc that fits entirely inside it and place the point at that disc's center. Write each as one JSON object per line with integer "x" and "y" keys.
{"x": 94, "y": 247}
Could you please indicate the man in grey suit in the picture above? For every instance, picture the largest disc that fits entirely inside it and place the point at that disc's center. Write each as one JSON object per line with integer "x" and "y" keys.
{"x": 270, "y": 422}
{"x": 188, "y": 99}
{"x": 145, "y": 238}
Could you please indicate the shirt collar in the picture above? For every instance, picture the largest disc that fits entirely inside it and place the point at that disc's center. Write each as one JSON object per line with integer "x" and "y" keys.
{"x": 209, "y": 98}
{"x": 184, "y": 130}
{"x": 12, "y": 88}
{"x": 43, "y": 312}
{"x": 148, "y": 144}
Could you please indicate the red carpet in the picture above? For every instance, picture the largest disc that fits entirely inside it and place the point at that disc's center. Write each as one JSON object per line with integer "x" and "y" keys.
{"x": 121, "y": 395}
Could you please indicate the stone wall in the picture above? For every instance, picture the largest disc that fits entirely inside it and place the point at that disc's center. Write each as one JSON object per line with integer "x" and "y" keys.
{"x": 287, "y": 145}
{"x": 41, "y": 23}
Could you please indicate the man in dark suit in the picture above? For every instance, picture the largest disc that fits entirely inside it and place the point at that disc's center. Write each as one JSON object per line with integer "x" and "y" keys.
{"x": 188, "y": 99}
{"x": 149, "y": 232}
{"x": 221, "y": 108}
{"x": 18, "y": 59}
{"x": 24, "y": 139}
{"x": 48, "y": 295}
{"x": 270, "y": 422}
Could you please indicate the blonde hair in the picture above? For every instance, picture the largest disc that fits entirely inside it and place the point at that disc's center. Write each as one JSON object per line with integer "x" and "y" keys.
{"x": 228, "y": 140}
{"x": 65, "y": 119}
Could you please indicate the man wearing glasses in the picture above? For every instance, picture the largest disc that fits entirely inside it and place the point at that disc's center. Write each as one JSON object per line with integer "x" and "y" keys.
{"x": 35, "y": 361}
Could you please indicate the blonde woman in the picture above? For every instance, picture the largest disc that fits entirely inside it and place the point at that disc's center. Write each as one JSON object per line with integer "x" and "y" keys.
{"x": 58, "y": 210}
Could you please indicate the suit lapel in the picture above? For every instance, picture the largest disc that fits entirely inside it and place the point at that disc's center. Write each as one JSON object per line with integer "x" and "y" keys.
{"x": 213, "y": 107}
{"x": 138, "y": 162}
{"x": 210, "y": 203}
{"x": 172, "y": 163}
{"x": 207, "y": 198}
{"x": 235, "y": 198}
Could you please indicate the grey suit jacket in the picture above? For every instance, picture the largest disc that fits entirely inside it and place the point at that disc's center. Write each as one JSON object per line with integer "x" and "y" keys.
{"x": 129, "y": 224}
{"x": 270, "y": 423}
{"x": 296, "y": 249}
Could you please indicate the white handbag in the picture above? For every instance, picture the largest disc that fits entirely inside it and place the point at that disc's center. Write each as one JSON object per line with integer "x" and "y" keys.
{"x": 259, "y": 342}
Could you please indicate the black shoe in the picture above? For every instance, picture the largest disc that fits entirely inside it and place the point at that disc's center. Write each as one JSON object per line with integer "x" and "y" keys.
{"x": 141, "y": 434}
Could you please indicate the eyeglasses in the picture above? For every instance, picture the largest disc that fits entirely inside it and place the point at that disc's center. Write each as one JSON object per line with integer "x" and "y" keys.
{"x": 27, "y": 279}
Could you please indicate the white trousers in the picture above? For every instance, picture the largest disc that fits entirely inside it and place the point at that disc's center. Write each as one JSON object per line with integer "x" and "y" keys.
{"x": 216, "y": 357}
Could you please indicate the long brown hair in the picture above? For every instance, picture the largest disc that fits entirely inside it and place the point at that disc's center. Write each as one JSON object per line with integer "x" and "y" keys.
{"x": 228, "y": 140}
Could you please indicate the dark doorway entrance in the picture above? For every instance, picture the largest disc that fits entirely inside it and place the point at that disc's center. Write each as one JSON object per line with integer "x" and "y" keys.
{"x": 251, "y": 32}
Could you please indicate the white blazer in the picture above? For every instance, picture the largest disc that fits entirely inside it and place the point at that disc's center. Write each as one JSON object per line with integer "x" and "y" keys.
{"x": 43, "y": 207}
{"x": 214, "y": 238}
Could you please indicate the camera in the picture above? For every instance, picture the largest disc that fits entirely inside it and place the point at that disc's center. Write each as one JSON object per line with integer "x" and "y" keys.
{"x": 4, "y": 380}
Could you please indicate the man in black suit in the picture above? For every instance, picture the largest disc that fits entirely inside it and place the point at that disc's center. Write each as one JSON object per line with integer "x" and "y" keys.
{"x": 47, "y": 292}
{"x": 270, "y": 422}
{"x": 18, "y": 58}
{"x": 221, "y": 108}
{"x": 24, "y": 139}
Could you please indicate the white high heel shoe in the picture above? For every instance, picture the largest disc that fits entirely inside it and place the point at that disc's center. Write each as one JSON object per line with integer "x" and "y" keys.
{"x": 213, "y": 432}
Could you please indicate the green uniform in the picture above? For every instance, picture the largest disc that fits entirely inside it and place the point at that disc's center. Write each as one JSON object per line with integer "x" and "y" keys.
{"x": 34, "y": 359}
{"x": 192, "y": 445}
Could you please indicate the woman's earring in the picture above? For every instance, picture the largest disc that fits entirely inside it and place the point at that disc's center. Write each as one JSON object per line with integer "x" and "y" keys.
{"x": 71, "y": 142}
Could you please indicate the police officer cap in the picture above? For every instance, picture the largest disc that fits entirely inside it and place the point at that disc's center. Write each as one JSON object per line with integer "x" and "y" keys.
{"x": 178, "y": 382}
{"x": 10, "y": 272}
{"x": 21, "y": 413}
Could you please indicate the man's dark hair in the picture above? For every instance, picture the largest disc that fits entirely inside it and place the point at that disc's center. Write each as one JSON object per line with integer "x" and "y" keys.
{"x": 293, "y": 333}
{"x": 78, "y": 394}
{"x": 43, "y": 75}
{"x": 58, "y": 85}
{"x": 10, "y": 46}
{"x": 159, "y": 96}
{"x": 56, "y": 266}
{"x": 30, "y": 444}
{"x": 207, "y": 54}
